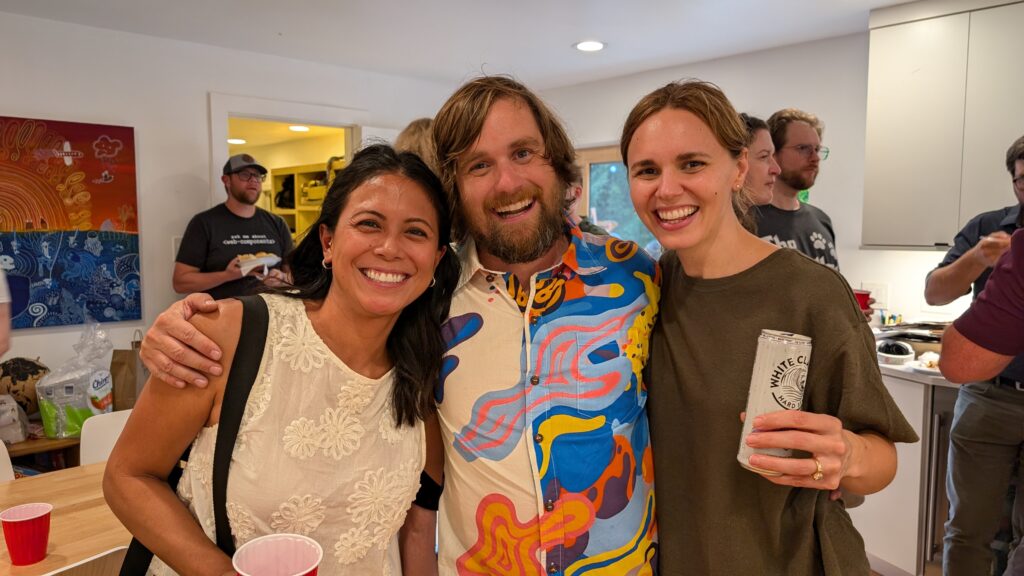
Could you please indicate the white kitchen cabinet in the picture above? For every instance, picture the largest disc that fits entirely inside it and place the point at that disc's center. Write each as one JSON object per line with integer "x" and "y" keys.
{"x": 994, "y": 113}
{"x": 917, "y": 75}
{"x": 943, "y": 107}
{"x": 891, "y": 521}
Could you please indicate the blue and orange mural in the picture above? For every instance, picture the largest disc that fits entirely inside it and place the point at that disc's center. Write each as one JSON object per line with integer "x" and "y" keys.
{"x": 69, "y": 238}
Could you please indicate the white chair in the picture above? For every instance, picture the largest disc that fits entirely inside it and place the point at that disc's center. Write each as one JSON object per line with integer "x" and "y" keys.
{"x": 99, "y": 434}
{"x": 6, "y": 470}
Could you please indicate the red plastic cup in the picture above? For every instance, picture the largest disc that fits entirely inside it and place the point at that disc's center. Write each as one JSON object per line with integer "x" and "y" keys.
{"x": 278, "y": 555}
{"x": 27, "y": 532}
{"x": 863, "y": 296}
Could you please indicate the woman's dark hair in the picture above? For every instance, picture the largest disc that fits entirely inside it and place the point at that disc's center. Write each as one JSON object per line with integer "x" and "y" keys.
{"x": 414, "y": 344}
{"x": 753, "y": 124}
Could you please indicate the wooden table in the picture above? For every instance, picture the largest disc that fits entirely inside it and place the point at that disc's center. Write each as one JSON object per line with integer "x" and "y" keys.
{"x": 81, "y": 525}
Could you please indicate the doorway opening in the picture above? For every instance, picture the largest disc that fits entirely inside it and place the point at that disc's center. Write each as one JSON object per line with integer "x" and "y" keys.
{"x": 302, "y": 160}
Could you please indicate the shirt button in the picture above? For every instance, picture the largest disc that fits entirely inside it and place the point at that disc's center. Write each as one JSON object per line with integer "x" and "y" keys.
{"x": 490, "y": 277}
{"x": 534, "y": 380}
{"x": 538, "y": 438}
{"x": 549, "y": 506}
{"x": 534, "y": 319}
{"x": 553, "y": 569}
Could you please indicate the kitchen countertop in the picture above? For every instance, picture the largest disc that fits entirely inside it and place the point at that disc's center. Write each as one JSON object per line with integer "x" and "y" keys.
{"x": 905, "y": 373}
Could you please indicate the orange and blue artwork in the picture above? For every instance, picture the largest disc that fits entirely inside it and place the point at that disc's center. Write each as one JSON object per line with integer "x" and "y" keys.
{"x": 69, "y": 234}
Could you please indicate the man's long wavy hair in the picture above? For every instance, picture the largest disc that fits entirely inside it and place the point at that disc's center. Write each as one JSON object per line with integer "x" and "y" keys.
{"x": 458, "y": 124}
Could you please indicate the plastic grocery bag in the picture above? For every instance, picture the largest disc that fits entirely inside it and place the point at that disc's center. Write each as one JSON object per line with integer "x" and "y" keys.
{"x": 79, "y": 388}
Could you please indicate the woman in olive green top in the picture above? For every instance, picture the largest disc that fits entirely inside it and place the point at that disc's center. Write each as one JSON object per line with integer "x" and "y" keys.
{"x": 684, "y": 148}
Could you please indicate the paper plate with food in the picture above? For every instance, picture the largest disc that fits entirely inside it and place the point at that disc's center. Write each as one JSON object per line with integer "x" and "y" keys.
{"x": 250, "y": 262}
{"x": 926, "y": 363}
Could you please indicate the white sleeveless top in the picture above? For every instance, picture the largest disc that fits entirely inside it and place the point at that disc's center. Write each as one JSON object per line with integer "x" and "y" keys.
{"x": 317, "y": 453}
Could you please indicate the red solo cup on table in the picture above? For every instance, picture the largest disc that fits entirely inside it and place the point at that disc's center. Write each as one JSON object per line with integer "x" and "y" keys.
{"x": 863, "y": 297}
{"x": 278, "y": 555}
{"x": 27, "y": 532}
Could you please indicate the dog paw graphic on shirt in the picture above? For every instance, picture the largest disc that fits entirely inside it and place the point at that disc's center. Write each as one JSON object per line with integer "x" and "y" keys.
{"x": 818, "y": 240}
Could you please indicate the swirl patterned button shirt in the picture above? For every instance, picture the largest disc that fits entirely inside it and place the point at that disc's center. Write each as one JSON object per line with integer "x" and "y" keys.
{"x": 541, "y": 402}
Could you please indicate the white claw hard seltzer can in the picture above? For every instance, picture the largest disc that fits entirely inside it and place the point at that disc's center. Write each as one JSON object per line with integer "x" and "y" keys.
{"x": 776, "y": 383}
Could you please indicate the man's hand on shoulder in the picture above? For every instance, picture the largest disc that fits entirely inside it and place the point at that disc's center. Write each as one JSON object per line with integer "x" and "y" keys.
{"x": 175, "y": 351}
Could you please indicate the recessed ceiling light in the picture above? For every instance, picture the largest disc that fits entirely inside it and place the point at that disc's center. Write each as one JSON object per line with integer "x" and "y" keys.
{"x": 236, "y": 141}
{"x": 589, "y": 46}
{"x": 298, "y": 128}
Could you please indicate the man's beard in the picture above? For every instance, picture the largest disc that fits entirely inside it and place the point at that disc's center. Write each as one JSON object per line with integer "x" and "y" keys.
{"x": 518, "y": 244}
{"x": 797, "y": 180}
{"x": 243, "y": 196}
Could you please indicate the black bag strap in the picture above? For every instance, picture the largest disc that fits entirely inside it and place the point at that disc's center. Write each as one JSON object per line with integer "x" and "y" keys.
{"x": 244, "y": 369}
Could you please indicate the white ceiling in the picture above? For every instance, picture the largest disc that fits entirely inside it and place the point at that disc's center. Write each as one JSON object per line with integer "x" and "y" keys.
{"x": 258, "y": 132}
{"x": 451, "y": 40}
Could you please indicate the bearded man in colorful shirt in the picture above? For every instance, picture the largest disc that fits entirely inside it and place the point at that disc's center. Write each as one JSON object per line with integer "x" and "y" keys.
{"x": 541, "y": 399}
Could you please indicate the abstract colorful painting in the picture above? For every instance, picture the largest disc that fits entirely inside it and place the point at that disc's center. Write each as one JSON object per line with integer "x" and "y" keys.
{"x": 69, "y": 234}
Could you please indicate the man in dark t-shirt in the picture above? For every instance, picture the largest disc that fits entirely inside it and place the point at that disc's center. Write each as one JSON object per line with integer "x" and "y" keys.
{"x": 786, "y": 221}
{"x": 986, "y": 436}
{"x": 217, "y": 242}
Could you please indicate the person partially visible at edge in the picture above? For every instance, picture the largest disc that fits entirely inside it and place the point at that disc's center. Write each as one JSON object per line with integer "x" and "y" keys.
{"x": 762, "y": 169}
{"x": 573, "y": 195}
{"x": 332, "y": 441}
{"x": 989, "y": 336}
{"x": 686, "y": 156}
{"x": 5, "y": 315}
{"x": 418, "y": 138}
{"x": 986, "y": 436}
{"x": 786, "y": 221}
{"x": 542, "y": 398}
{"x": 216, "y": 240}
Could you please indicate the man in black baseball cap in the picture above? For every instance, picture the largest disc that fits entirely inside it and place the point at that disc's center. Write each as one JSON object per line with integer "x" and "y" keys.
{"x": 217, "y": 240}
{"x": 239, "y": 162}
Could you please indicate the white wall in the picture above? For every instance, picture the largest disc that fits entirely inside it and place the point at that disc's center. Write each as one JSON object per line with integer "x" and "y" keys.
{"x": 59, "y": 71}
{"x": 828, "y": 78}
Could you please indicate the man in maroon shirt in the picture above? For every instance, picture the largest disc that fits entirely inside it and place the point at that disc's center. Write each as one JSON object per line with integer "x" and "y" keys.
{"x": 987, "y": 337}
{"x": 991, "y": 332}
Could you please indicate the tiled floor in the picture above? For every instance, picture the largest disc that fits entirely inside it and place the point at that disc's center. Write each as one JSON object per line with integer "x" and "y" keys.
{"x": 929, "y": 570}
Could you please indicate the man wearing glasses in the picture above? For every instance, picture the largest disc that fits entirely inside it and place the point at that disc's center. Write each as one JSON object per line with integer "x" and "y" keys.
{"x": 218, "y": 240}
{"x": 986, "y": 435}
{"x": 787, "y": 222}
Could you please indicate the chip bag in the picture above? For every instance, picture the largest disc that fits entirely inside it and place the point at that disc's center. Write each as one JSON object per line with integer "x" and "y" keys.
{"x": 78, "y": 389}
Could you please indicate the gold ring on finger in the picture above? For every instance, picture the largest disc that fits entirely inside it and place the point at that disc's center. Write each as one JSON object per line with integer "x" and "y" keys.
{"x": 819, "y": 473}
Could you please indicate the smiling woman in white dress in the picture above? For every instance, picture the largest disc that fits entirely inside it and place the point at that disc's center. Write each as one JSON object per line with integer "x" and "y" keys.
{"x": 332, "y": 440}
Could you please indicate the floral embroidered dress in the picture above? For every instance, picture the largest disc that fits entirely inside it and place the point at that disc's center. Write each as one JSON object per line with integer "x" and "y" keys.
{"x": 318, "y": 453}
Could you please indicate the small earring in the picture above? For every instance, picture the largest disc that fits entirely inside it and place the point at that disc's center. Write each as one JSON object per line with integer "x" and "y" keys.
{"x": 327, "y": 265}
{"x": 433, "y": 281}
